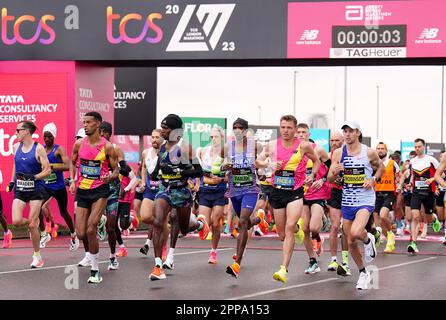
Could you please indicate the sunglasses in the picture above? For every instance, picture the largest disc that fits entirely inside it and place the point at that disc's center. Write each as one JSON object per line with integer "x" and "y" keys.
{"x": 18, "y": 130}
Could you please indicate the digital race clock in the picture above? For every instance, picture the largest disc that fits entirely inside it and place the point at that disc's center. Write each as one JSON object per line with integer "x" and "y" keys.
{"x": 369, "y": 36}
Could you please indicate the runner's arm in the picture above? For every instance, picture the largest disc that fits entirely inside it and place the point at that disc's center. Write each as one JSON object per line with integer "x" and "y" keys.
{"x": 376, "y": 164}
{"x": 43, "y": 159}
{"x": 74, "y": 157}
{"x": 113, "y": 159}
{"x": 65, "y": 165}
{"x": 439, "y": 172}
{"x": 143, "y": 168}
{"x": 336, "y": 167}
{"x": 307, "y": 149}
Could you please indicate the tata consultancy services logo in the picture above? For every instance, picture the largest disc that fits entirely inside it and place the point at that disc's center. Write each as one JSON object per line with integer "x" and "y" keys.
{"x": 212, "y": 18}
{"x": 12, "y": 25}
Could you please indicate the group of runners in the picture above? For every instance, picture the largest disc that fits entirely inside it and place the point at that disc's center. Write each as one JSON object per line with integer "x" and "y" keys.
{"x": 357, "y": 187}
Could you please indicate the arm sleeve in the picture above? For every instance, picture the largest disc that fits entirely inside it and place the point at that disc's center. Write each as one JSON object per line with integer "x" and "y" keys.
{"x": 196, "y": 172}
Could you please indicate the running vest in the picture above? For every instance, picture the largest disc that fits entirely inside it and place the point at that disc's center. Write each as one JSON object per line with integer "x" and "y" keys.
{"x": 126, "y": 197}
{"x": 323, "y": 192}
{"x": 93, "y": 164}
{"x": 337, "y": 184}
{"x": 211, "y": 166}
{"x": 356, "y": 170}
{"x": 55, "y": 181}
{"x": 423, "y": 169}
{"x": 242, "y": 177}
{"x": 150, "y": 166}
{"x": 291, "y": 175}
{"x": 387, "y": 183}
{"x": 172, "y": 160}
{"x": 26, "y": 163}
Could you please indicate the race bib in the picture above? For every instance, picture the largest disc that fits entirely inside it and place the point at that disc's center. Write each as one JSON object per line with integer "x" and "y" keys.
{"x": 25, "y": 185}
{"x": 52, "y": 178}
{"x": 354, "y": 177}
{"x": 421, "y": 184}
{"x": 90, "y": 169}
{"x": 242, "y": 177}
{"x": 284, "y": 179}
{"x": 154, "y": 185}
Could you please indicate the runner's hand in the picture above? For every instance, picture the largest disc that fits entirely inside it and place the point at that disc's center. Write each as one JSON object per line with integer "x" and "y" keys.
{"x": 10, "y": 187}
{"x": 369, "y": 183}
{"x": 72, "y": 188}
{"x": 317, "y": 184}
{"x": 338, "y": 168}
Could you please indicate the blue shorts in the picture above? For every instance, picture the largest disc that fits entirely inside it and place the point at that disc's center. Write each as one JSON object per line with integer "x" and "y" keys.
{"x": 349, "y": 213}
{"x": 212, "y": 199}
{"x": 150, "y": 193}
{"x": 176, "y": 198}
{"x": 243, "y": 201}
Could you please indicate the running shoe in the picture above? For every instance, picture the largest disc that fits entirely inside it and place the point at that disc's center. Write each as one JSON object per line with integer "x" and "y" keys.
{"x": 363, "y": 281}
{"x": 407, "y": 230}
{"x": 233, "y": 269}
{"x": 157, "y": 274}
{"x": 7, "y": 240}
{"x": 101, "y": 228}
{"x": 44, "y": 240}
{"x": 333, "y": 266}
{"x": 263, "y": 224}
{"x": 378, "y": 238}
{"x": 436, "y": 225}
{"x": 95, "y": 277}
{"x": 370, "y": 249}
{"x": 234, "y": 233}
{"x": 227, "y": 231}
{"x": 299, "y": 236}
{"x": 281, "y": 275}
{"x": 423, "y": 230}
{"x": 209, "y": 237}
{"x": 113, "y": 264}
{"x": 389, "y": 248}
{"x": 54, "y": 231}
{"x": 168, "y": 263}
{"x": 122, "y": 252}
{"x": 444, "y": 241}
{"x": 48, "y": 227}
{"x": 213, "y": 257}
{"x": 85, "y": 262}
{"x": 145, "y": 249}
{"x": 203, "y": 233}
{"x": 257, "y": 231}
{"x": 274, "y": 228}
{"x": 412, "y": 247}
{"x": 234, "y": 256}
{"x": 343, "y": 270}
{"x": 312, "y": 268}
{"x": 37, "y": 262}
{"x": 74, "y": 244}
{"x": 399, "y": 232}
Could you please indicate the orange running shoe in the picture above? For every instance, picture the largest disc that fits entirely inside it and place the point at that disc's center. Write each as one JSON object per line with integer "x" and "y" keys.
{"x": 320, "y": 249}
{"x": 48, "y": 227}
{"x": 314, "y": 241}
{"x": 122, "y": 252}
{"x": 234, "y": 233}
{"x": 54, "y": 231}
{"x": 7, "y": 240}
{"x": 233, "y": 270}
{"x": 274, "y": 229}
{"x": 263, "y": 224}
{"x": 157, "y": 274}
{"x": 203, "y": 233}
{"x": 234, "y": 256}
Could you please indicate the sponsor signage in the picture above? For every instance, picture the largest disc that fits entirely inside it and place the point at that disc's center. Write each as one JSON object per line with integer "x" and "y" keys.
{"x": 197, "y": 130}
{"x": 367, "y": 29}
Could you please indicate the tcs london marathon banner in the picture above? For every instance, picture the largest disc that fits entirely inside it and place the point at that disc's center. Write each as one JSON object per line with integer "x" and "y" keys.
{"x": 41, "y": 98}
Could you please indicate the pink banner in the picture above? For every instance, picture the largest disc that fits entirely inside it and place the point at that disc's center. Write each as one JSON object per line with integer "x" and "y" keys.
{"x": 367, "y": 29}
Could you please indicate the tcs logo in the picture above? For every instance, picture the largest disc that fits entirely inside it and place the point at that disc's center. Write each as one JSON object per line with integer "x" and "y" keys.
{"x": 148, "y": 25}
{"x": 10, "y": 21}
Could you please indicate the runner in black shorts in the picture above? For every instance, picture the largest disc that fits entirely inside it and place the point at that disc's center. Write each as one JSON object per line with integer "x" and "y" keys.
{"x": 30, "y": 167}
{"x": 7, "y": 234}
{"x": 94, "y": 154}
{"x": 54, "y": 183}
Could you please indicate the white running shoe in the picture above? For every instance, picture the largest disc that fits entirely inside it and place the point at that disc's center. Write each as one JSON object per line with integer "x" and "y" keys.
{"x": 113, "y": 264}
{"x": 257, "y": 231}
{"x": 37, "y": 262}
{"x": 370, "y": 249}
{"x": 363, "y": 281}
{"x": 85, "y": 262}
{"x": 424, "y": 233}
{"x": 168, "y": 263}
{"x": 74, "y": 244}
{"x": 44, "y": 240}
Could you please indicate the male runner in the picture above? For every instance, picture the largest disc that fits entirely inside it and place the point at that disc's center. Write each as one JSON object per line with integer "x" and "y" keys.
{"x": 423, "y": 168}
{"x": 240, "y": 160}
{"x": 54, "y": 183}
{"x": 7, "y": 234}
{"x": 30, "y": 167}
{"x": 176, "y": 164}
{"x": 440, "y": 179}
{"x": 288, "y": 154}
{"x": 95, "y": 155}
{"x": 360, "y": 167}
{"x": 386, "y": 190}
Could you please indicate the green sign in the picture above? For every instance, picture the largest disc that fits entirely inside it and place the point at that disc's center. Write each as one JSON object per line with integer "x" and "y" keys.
{"x": 197, "y": 130}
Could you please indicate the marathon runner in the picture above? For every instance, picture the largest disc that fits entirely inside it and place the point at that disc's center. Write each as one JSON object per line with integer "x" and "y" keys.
{"x": 360, "y": 167}
{"x": 95, "y": 156}
{"x": 423, "y": 168}
{"x": 288, "y": 154}
{"x": 31, "y": 166}
{"x": 240, "y": 159}
{"x": 440, "y": 179}
{"x": 54, "y": 183}
{"x": 7, "y": 234}
{"x": 175, "y": 165}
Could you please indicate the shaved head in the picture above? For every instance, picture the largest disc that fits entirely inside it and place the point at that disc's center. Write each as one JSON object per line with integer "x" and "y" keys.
{"x": 336, "y": 140}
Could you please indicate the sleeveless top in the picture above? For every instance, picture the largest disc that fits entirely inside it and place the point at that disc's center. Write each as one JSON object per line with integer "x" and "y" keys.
{"x": 55, "y": 181}
{"x": 93, "y": 164}
{"x": 211, "y": 166}
{"x": 26, "y": 163}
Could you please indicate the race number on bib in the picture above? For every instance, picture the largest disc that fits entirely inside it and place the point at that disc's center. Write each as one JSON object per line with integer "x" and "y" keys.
{"x": 24, "y": 185}
{"x": 242, "y": 177}
{"x": 421, "y": 184}
{"x": 354, "y": 177}
{"x": 284, "y": 179}
{"x": 91, "y": 169}
{"x": 52, "y": 178}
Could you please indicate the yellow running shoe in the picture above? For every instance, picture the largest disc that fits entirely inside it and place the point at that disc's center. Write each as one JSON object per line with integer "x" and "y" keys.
{"x": 281, "y": 274}
{"x": 209, "y": 237}
{"x": 299, "y": 236}
{"x": 389, "y": 248}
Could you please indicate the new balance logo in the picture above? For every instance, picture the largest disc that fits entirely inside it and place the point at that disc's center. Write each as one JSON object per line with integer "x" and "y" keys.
{"x": 429, "y": 33}
{"x": 213, "y": 19}
{"x": 309, "y": 35}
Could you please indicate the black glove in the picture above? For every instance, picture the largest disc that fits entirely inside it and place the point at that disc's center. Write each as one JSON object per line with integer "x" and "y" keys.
{"x": 125, "y": 171}
{"x": 167, "y": 169}
{"x": 10, "y": 187}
